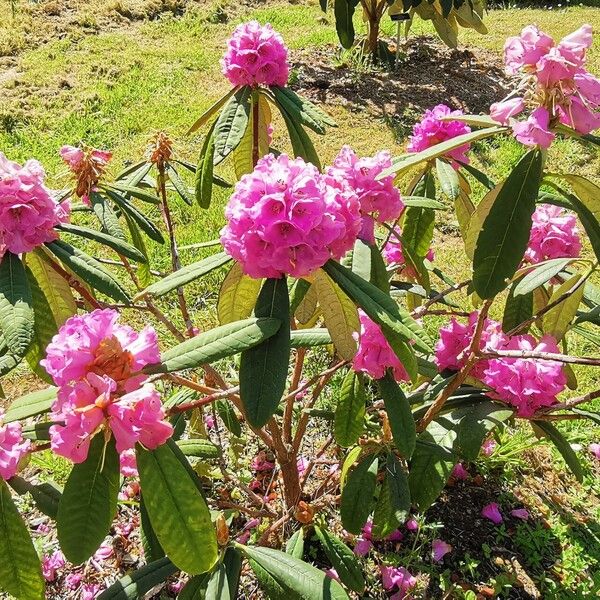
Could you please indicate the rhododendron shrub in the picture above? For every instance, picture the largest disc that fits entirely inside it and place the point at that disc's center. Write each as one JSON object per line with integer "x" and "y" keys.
{"x": 337, "y": 313}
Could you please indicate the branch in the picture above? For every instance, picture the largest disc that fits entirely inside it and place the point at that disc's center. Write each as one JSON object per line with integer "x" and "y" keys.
{"x": 564, "y": 358}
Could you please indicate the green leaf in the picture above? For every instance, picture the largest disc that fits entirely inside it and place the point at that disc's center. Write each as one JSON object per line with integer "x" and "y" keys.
{"x": 587, "y": 191}
{"x": 503, "y": 238}
{"x": 357, "y": 494}
{"x": 309, "y": 114}
{"x": 422, "y": 202}
{"x": 57, "y": 291}
{"x": 143, "y": 272}
{"x": 344, "y": 13}
{"x": 144, "y": 223}
{"x": 199, "y": 448}
{"x": 295, "y": 545}
{"x": 153, "y": 551}
{"x": 30, "y": 405}
{"x": 549, "y": 431}
{"x": 217, "y": 587}
{"x": 479, "y": 176}
{"x": 557, "y": 320}
{"x": 229, "y": 418}
{"x": 185, "y": 275}
{"x": 540, "y": 274}
{"x": 295, "y": 111}
{"x": 134, "y": 191}
{"x": 116, "y": 244}
{"x": 237, "y": 295}
{"x": 264, "y": 368}
{"x": 138, "y": 583}
{"x": 195, "y": 588}
{"x": 379, "y": 306}
{"x": 243, "y": 159}
{"x": 203, "y": 119}
{"x": 89, "y": 501}
{"x": 405, "y": 354}
{"x": 417, "y": 231}
{"x": 350, "y": 410}
{"x": 233, "y": 568}
{"x": 205, "y": 170}
{"x": 448, "y": 178}
{"x": 215, "y": 344}
{"x": 301, "y": 580}
{"x": 343, "y": 560}
{"x": 180, "y": 186}
{"x": 368, "y": 263}
{"x": 408, "y": 161}
{"x": 477, "y": 218}
{"x": 106, "y": 215}
{"x": 308, "y": 338}
{"x": 517, "y": 309}
{"x": 177, "y": 510}
{"x": 45, "y": 495}
{"x": 399, "y": 414}
{"x": 16, "y": 310}
{"x": 393, "y": 504}
{"x": 301, "y": 143}
{"x": 231, "y": 124}
{"x": 340, "y": 314}
{"x": 89, "y": 269}
{"x": 273, "y": 590}
{"x": 20, "y": 570}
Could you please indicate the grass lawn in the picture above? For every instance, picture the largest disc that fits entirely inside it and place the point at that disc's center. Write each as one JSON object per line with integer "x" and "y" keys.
{"x": 112, "y": 72}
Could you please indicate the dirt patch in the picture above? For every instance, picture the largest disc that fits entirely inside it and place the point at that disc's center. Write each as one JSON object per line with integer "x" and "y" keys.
{"x": 427, "y": 74}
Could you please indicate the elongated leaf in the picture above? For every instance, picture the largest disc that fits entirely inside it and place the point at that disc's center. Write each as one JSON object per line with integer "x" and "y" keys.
{"x": 422, "y": 202}
{"x": 89, "y": 501}
{"x": 341, "y": 316}
{"x": 587, "y": 191}
{"x": 89, "y": 269}
{"x": 215, "y": 344}
{"x": 343, "y": 560}
{"x": 185, "y": 275}
{"x": 393, "y": 504}
{"x": 199, "y": 447}
{"x": 399, "y": 414}
{"x": 380, "y": 307}
{"x": 233, "y": 568}
{"x": 350, "y": 410}
{"x": 231, "y": 124}
{"x": 139, "y": 582}
{"x": 195, "y": 588}
{"x": 237, "y": 296}
{"x": 20, "y": 570}
{"x": 45, "y": 495}
{"x": 479, "y": 176}
{"x": 344, "y": 12}
{"x": 417, "y": 231}
{"x": 295, "y": 545}
{"x": 179, "y": 184}
{"x": 177, "y": 510}
{"x": 357, "y": 494}
{"x": 57, "y": 291}
{"x": 503, "y": 238}
{"x": 296, "y": 113}
{"x": 307, "y": 338}
{"x": 143, "y": 222}
{"x": 153, "y": 551}
{"x": 16, "y": 305}
{"x": 203, "y": 119}
{"x": 301, "y": 143}
{"x": 217, "y": 587}
{"x": 301, "y": 580}
{"x": 30, "y": 405}
{"x": 448, "y": 178}
{"x": 517, "y": 309}
{"x": 408, "y": 161}
{"x": 228, "y": 416}
{"x": 134, "y": 191}
{"x": 106, "y": 215}
{"x": 117, "y": 244}
{"x": 557, "y": 320}
{"x": 562, "y": 445}
{"x": 540, "y": 274}
{"x": 143, "y": 272}
{"x": 205, "y": 170}
{"x": 307, "y": 307}
{"x": 243, "y": 160}
{"x": 477, "y": 218}
{"x": 310, "y": 111}
{"x": 263, "y": 369}
{"x": 271, "y": 587}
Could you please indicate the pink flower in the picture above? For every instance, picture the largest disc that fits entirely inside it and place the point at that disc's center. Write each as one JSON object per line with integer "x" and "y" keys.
{"x": 520, "y": 513}
{"x": 412, "y": 525}
{"x": 503, "y": 111}
{"x": 12, "y": 448}
{"x": 397, "y": 578}
{"x": 588, "y": 87}
{"x": 375, "y": 355}
{"x": 526, "y": 49}
{"x": 395, "y": 536}
{"x": 440, "y": 549}
{"x": 90, "y": 591}
{"x": 534, "y": 131}
{"x": 459, "y": 472}
{"x": 577, "y": 114}
{"x": 287, "y": 218}
{"x": 87, "y": 165}
{"x": 302, "y": 464}
{"x": 209, "y": 421}
{"x": 492, "y": 512}
{"x": 378, "y": 197}
{"x": 73, "y": 580}
{"x": 28, "y": 211}
{"x": 97, "y": 343}
{"x": 128, "y": 465}
{"x": 260, "y": 463}
{"x": 124, "y": 529}
{"x": 255, "y": 55}
{"x": 364, "y": 544}
{"x": 488, "y": 447}
{"x": 43, "y": 529}
{"x": 554, "y": 67}
{"x": 332, "y": 574}
{"x": 176, "y": 586}
{"x": 392, "y": 254}
{"x": 554, "y": 234}
{"x": 73, "y": 156}
{"x": 433, "y": 130}
{"x": 574, "y": 46}
{"x": 104, "y": 552}
{"x": 51, "y": 564}
{"x": 594, "y": 448}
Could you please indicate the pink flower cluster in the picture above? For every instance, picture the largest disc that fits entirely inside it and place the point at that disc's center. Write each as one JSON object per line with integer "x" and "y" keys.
{"x": 432, "y": 130}
{"x": 379, "y": 200}
{"x": 399, "y": 579}
{"x": 255, "y": 55}
{"x": 525, "y": 383}
{"x": 95, "y": 361}
{"x": 375, "y": 355}
{"x": 12, "y": 448}
{"x": 559, "y": 88}
{"x": 392, "y": 254}
{"x": 285, "y": 218}
{"x": 554, "y": 234}
{"x": 88, "y": 165}
{"x": 28, "y": 211}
